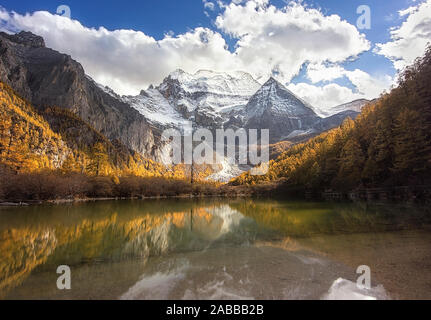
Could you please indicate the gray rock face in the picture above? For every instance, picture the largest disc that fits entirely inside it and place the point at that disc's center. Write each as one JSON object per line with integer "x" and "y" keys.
{"x": 48, "y": 78}
{"x": 27, "y": 39}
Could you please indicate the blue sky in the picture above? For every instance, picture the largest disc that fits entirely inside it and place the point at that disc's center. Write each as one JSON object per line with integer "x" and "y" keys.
{"x": 157, "y": 18}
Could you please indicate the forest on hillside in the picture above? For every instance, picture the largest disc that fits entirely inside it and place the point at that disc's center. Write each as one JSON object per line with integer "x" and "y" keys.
{"x": 53, "y": 154}
{"x": 389, "y": 144}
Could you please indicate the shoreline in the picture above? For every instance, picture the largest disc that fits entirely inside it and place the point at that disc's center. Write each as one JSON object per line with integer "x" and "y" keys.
{"x": 408, "y": 195}
{"x": 79, "y": 200}
{"x": 10, "y": 204}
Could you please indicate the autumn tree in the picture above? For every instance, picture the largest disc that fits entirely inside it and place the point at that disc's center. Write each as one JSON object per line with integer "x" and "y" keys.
{"x": 98, "y": 164}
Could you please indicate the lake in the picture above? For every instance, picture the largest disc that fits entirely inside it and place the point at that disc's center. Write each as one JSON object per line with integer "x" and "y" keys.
{"x": 215, "y": 249}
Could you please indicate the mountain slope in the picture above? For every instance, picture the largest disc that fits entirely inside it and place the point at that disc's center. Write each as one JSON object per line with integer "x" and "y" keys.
{"x": 48, "y": 78}
{"x": 58, "y": 139}
{"x": 156, "y": 109}
{"x": 53, "y": 81}
{"x": 274, "y": 107}
{"x": 356, "y": 106}
{"x": 388, "y": 145}
{"x": 209, "y": 98}
{"x": 27, "y": 142}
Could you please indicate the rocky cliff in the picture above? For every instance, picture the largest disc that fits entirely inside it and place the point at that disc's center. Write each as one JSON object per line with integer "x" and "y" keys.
{"x": 48, "y": 78}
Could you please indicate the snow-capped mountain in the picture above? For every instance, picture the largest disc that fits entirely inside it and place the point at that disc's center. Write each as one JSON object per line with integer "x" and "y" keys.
{"x": 355, "y": 105}
{"x": 233, "y": 100}
{"x": 156, "y": 108}
{"x": 274, "y": 107}
{"x": 236, "y": 84}
{"x": 209, "y": 99}
{"x": 206, "y": 97}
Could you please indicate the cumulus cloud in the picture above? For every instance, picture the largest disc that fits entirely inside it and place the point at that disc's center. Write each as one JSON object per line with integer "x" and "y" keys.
{"x": 410, "y": 39}
{"x": 301, "y": 35}
{"x": 329, "y": 95}
{"x": 318, "y": 72}
{"x": 284, "y": 39}
{"x": 128, "y": 60}
{"x": 270, "y": 42}
{"x": 368, "y": 86}
{"x": 4, "y": 16}
{"x": 324, "y": 97}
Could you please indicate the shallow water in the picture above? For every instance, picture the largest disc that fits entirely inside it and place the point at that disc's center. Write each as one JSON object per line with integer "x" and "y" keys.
{"x": 215, "y": 249}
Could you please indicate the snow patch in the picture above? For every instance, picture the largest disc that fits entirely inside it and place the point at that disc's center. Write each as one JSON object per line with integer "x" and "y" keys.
{"x": 227, "y": 172}
{"x": 155, "y": 108}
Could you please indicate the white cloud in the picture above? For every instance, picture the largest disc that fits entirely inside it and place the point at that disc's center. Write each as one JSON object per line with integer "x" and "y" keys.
{"x": 330, "y": 95}
{"x": 324, "y": 97}
{"x": 367, "y": 86}
{"x": 271, "y": 41}
{"x": 4, "y": 15}
{"x": 128, "y": 60}
{"x": 407, "y": 11}
{"x": 410, "y": 39}
{"x": 317, "y": 72}
{"x": 5, "y": 22}
{"x": 284, "y": 39}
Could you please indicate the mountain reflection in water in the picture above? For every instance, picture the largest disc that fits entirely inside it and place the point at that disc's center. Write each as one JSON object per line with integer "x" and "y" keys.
{"x": 182, "y": 249}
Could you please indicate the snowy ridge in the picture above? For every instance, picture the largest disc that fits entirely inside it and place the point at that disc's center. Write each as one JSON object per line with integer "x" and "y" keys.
{"x": 355, "y": 105}
{"x": 155, "y": 108}
{"x": 276, "y": 97}
{"x": 212, "y": 94}
{"x": 214, "y": 100}
{"x": 220, "y": 83}
{"x": 276, "y": 108}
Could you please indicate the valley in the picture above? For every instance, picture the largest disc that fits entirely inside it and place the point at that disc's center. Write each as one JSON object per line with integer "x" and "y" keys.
{"x": 215, "y": 150}
{"x": 128, "y": 128}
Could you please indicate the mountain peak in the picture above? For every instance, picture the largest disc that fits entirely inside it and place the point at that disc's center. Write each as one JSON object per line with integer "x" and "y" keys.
{"x": 274, "y": 106}
{"x": 28, "y": 39}
{"x": 271, "y": 81}
{"x": 177, "y": 73}
{"x": 205, "y": 72}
